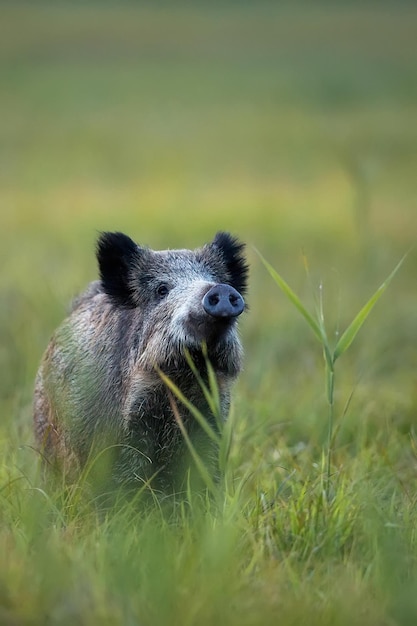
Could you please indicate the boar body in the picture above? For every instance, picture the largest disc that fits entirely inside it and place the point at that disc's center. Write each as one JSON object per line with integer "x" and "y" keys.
{"x": 99, "y": 393}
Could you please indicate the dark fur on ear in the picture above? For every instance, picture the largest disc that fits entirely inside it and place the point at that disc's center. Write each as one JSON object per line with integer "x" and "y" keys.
{"x": 232, "y": 252}
{"x": 116, "y": 254}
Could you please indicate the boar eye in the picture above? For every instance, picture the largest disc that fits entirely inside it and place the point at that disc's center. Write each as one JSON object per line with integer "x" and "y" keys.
{"x": 162, "y": 290}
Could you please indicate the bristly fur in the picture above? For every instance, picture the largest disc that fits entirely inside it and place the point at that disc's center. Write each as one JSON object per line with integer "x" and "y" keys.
{"x": 99, "y": 386}
{"x": 116, "y": 254}
{"x": 232, "y": 250}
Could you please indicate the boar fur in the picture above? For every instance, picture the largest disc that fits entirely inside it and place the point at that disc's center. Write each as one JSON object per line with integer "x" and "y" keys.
{"x": 98, "y": 387}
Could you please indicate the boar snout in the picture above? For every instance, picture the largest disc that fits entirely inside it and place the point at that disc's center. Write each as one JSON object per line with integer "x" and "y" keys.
{"x": 223, "y": 301}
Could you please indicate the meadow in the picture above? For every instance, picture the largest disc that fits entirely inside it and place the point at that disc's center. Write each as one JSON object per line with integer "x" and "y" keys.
{"x": 293, "y": 126}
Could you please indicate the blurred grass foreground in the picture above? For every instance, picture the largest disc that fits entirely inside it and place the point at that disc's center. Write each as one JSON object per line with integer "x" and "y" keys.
{"x": 293, "y": 125}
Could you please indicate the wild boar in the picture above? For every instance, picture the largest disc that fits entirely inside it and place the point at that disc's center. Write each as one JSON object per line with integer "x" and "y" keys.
{"x": 99, "y": 386}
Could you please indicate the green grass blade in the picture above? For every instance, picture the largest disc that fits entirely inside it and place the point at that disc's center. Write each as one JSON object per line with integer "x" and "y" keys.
{"x": 211, "y": 393}
{"x": 283, "y": 285}
{"x": 215, "y": 403}
{"x": 199, "y": 463}
{"x": 198, "y": 416}
{"x": 226, "y": 441}
{"x": 353, "y": 329}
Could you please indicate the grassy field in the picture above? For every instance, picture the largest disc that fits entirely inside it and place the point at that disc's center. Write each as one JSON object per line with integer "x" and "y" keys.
{"x": 294, "y": 127}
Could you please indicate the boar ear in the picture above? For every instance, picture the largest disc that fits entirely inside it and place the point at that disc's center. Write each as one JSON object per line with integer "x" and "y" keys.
{"x": 232, "y": 252}
{"x": 116, "y": 255}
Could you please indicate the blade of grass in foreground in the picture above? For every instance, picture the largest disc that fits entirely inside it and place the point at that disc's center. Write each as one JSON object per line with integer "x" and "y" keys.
{"x": 284, "y": 286}
{"x": 202, "y": 469}
{"x": 352, "y": 330}
{"x": 211, "y": 393}
{"x": 190, "y": 406}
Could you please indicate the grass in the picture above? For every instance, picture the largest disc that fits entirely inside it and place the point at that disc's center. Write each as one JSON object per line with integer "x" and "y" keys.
{"x": 293, "y": 127}
{"x": 330, "y": 353}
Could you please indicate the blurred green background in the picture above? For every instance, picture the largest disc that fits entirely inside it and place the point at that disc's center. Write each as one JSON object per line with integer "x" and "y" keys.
{"x": 293, "y": 125}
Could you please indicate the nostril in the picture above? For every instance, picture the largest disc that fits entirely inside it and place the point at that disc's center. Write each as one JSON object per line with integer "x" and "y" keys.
{"x": 234, "y": 299}
{"x": 214, "y": 299}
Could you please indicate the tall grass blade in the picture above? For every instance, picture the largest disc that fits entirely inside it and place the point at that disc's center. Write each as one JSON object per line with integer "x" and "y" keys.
{"x": 197, "y": 375}
{"x": 202, "y": 469}
{"x": 211, "y": 393}
{"x": 202, "y": 421}
{"x": 352, "y": 330}
{"x": 283, "y": 285}
{"x": 226, "y": 442}
{"x": 215, "y": 404}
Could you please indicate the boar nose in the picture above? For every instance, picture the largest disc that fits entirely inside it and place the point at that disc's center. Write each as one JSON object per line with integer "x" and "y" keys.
{"x": 223, "y": 301}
